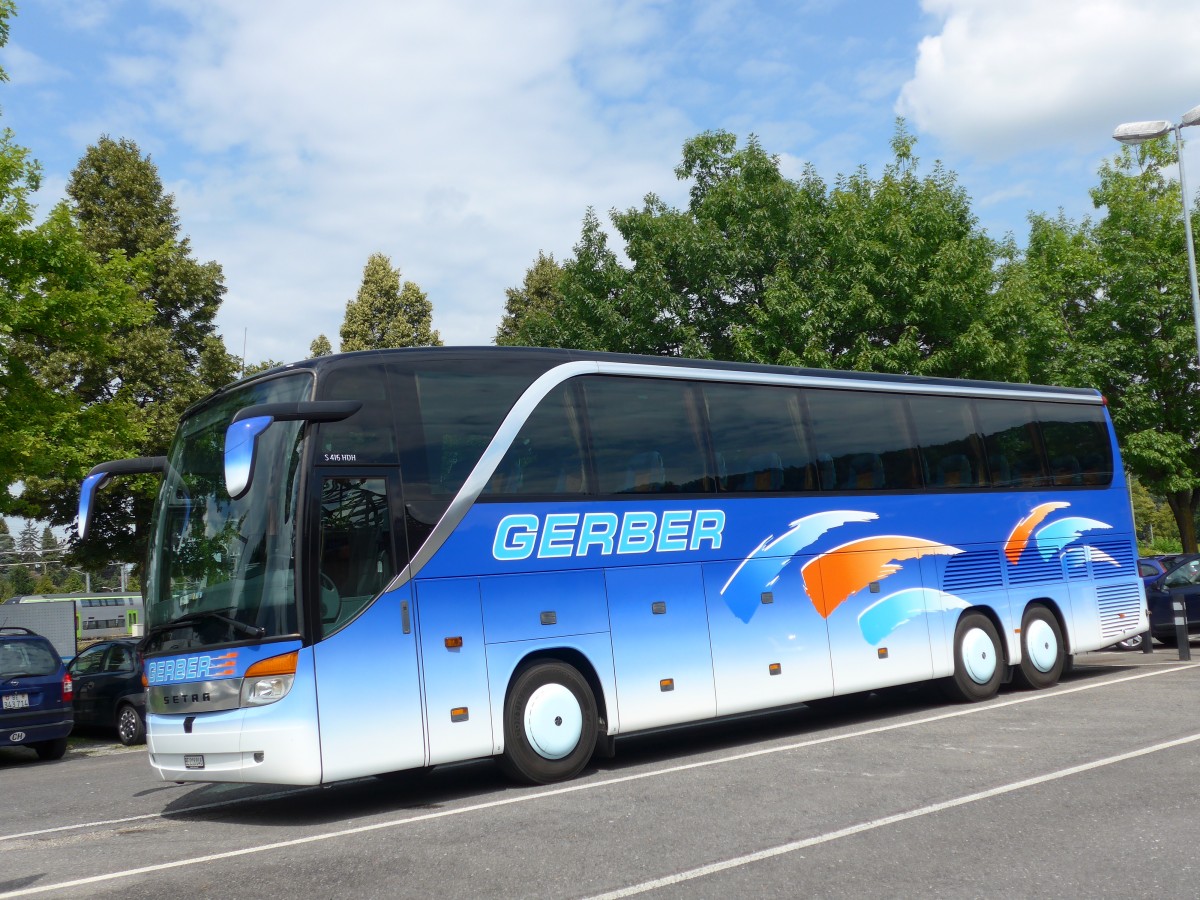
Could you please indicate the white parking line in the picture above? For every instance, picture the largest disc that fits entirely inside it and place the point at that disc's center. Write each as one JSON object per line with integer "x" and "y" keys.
{"x": 578, "y": 786}
{"x": 759, "y": 855}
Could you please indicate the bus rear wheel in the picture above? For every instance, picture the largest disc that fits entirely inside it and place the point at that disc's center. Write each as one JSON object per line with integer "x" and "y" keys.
{"x": 1042, "y": 656}
{"x": 978, "y": 660}
{"x": 549, "y": 724}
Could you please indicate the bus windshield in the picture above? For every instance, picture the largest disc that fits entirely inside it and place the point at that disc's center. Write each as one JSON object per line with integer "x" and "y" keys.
{"x": 223, "y": 569}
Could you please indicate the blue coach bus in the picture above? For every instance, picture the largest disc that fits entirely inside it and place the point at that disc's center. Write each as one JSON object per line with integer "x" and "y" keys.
{"x": 386, "y": 560}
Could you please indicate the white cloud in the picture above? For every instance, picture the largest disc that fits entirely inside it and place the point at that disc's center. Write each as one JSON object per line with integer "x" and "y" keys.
{"x": 999, "y": 77}
{"x": 26, "y": 69}
{"x": 459, "y": 139}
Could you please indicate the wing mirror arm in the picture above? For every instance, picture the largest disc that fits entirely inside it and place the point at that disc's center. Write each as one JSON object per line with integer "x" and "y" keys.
{"x": 100, "y": 475}
{"x": 241, "y": 438}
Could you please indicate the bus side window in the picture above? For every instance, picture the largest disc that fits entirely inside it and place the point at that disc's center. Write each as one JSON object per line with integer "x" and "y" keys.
{"x": 647, "y": 435}
{"x": 1010, "y": 438}
{"x": 866, "y": 435}
{"x": 1076, "y": 441}
{"x": 758, "y": 439}
{"x": 950, "y": 448}
{"x": 546, "y": 457}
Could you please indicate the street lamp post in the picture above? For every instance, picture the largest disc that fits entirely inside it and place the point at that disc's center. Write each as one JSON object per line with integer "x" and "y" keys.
{"x": 1138, "y": 132}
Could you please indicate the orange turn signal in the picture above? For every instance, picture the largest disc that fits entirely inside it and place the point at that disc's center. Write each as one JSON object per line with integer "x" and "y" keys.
{"x": 275, "y": 665}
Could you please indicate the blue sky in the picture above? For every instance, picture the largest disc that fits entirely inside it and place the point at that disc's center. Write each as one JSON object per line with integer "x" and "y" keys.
{"x": 461, "y": 137}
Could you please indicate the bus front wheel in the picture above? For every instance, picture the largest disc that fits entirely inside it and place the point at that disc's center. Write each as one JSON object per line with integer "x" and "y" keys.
{"x": 1042, "y": 656}
{"x": 549, "y": 724}
{"x": 978, "y": 660}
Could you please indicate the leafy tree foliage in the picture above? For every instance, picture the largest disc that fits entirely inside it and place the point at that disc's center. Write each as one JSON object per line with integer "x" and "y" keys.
{"x": 531, "y": 311}
{"x": 320, "y": 347}
{"x": 1119, "y": 285}
{"x": 153, "y": 369}
{"x": 58, "y": 301}
{"x": 890, "y": 274}
{"x": 385, "y": 313}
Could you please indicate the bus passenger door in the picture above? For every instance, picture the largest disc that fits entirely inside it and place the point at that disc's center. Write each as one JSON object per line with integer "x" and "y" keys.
{"x": 368, "y": 689}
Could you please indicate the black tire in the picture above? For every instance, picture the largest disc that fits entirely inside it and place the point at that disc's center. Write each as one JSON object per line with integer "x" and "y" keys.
{"x": 978, "y": 660}
{"x": 544, "y": 698}
{"x": 1042, "y": 650}
{"x": 49, "y": 750}
{"x": 130, "y": 727}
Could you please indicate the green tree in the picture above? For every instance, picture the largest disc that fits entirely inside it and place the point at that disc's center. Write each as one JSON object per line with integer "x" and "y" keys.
{"x": 320, "y": 347}
{"x": 56, "y": 299}
{"x": 891, "y": 274}
{"x": 21, "y": 581}
{"x": 1119, "y": 285}
{"x": 385, "y": 313}
{"x": 530, "y": 311}
{"x": 154, "y": 370}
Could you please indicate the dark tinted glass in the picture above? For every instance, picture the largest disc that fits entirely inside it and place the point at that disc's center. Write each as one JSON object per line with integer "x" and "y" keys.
{"x": 368, "y": 436}
{"x": 26, "y": 657}
{"x": 1010, "y": 441}
{"x": 862, "y": 441}
{"x": 1077, "y": 444}
{"x": 547, "y": 456}
{"x": 758, "y": 438}
{"x": 951, "y": 452}
{"x": 459, "y": 413}
{"x": 646, "y": 436}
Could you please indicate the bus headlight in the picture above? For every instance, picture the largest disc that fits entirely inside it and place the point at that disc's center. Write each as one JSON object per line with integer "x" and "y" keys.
{"x": 269, "y": 679}
{"x": 261, "y": 691}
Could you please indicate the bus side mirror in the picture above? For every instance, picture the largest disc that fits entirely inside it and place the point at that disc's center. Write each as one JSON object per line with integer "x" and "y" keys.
{"x": 100, "y": 475}
{"x": 241, "y": 437}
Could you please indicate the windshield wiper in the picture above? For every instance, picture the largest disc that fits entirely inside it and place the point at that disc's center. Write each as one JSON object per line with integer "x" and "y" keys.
{"x": 191, "y": 618}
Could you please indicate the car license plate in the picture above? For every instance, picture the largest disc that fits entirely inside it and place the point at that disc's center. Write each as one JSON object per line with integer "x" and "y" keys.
{"x": 193, "y": 762}
{"x": 16, "y": 701}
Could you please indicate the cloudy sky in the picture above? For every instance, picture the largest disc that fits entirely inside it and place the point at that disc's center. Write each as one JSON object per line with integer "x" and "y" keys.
{"x": 460, "y": 137}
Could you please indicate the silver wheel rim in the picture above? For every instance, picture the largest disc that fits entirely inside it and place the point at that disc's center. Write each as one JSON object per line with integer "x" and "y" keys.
{"x": 1041, "y": 644}
{"x": 553, "y": 721}
{"x": 979, "y": 655}
{"x": 127, "y": 724}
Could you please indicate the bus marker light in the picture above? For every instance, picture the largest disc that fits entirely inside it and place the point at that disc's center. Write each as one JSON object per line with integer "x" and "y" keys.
{"x": 883, "y": 653}
{"x": 775, "y": 669}
{"x": 768, "y": 597}
{"x": 459, "y": 714}
{"x": 454, "y": 643}
{"x": 658, "y": 608}
{"x": 550, "y": 618}
{"x": 667, "y": 684}
{"x": 275, "y": 665}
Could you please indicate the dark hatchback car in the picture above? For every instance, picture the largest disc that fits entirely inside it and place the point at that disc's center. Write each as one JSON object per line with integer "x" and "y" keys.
{"x": 35, "y": 694}
{"x": 108, "y": 689}
{"x": 1181, "y": 581}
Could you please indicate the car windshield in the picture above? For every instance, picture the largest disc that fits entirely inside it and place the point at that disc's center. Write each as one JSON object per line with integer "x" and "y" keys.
{"x": 227, "y": 566}
{"x": 26, "y": 658}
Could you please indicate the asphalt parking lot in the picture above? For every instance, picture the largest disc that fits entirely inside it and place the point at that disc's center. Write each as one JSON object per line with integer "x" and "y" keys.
{"x": 1085, "y": 789}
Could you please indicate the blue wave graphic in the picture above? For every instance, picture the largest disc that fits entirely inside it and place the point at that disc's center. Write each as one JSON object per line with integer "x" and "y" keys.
{"x": 1053, "y": 538}
{"x": 762, "y": 568}
{"x": 880, "y": 619}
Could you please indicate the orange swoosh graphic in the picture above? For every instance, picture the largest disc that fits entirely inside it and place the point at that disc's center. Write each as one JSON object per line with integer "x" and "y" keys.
{"x": 832, "y": 577}
{"x": 1015, "y": 545}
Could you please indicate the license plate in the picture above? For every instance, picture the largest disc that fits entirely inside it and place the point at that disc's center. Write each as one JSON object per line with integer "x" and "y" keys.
{"x": 193, "y": 762}
{"x": 16, "y": 701}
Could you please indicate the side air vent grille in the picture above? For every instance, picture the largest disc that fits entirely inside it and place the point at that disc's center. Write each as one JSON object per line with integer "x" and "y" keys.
{"x": 1032, "y": 569}
{"x": 1115, "y": 559}
{"x": 978, "y": 570}
{"x": 1119, "y": 607}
